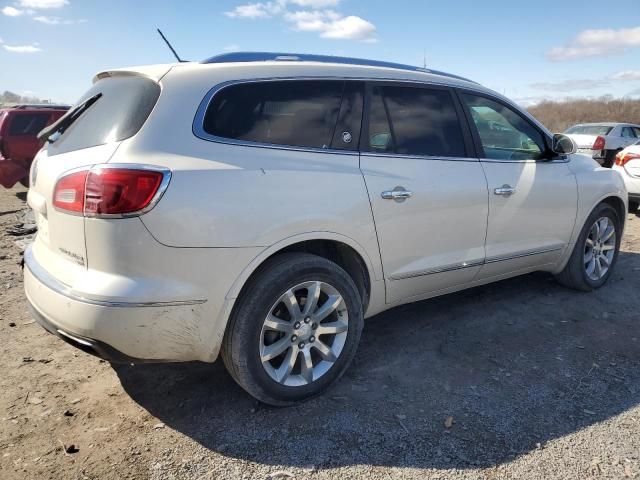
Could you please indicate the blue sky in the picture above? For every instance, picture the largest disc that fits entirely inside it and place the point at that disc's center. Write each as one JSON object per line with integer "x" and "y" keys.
{"x": 543, "y": 49}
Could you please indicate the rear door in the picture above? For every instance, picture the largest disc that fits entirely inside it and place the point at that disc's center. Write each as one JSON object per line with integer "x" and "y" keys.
{"x": 532, "y": 200}
{"x": 427, "y": 190}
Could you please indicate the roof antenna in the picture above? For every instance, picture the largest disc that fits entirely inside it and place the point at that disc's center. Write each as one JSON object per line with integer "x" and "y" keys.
{"x": 424, "y": 59}
{"x": 169, "y": 45}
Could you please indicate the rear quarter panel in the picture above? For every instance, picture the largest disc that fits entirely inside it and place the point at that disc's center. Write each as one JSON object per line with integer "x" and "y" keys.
{"x": 233, "y": 196}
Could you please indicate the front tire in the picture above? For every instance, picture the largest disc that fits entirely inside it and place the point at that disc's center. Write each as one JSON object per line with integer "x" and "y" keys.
{"x": 294, "y": 330}
{"x": 595, "y": 252}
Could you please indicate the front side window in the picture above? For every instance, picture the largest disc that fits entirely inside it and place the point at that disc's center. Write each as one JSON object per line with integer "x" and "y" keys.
{"x": 415, "y": 121}
{"x": 299, "y": 113}
{"x": 504, "y": 134}
{"x": 28, "y": 124}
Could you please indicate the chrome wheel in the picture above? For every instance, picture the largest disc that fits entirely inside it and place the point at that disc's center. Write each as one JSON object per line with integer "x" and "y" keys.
{"x": 599, "y": 248}
{"x": 304, "y": 333}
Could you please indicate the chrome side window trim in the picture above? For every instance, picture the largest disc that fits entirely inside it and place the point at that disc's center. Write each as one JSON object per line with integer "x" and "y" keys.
{"x": 419, "y": 157}
{"x": 57, "y": 286}
{"x": 198, "y": 121}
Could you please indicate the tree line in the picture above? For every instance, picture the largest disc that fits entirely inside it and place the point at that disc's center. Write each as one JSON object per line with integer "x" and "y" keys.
{"x": 558, "y": 116}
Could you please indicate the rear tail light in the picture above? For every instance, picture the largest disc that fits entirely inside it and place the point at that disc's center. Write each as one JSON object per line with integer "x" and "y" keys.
{"x": 118, "y": 191}
{"x": 623, "y": 158}
{"x": 598, "y": 144}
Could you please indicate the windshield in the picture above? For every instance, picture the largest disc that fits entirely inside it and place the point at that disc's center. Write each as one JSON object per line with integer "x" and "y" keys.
{"x": 123, "y": 107}
{"x": 589, "y": 130}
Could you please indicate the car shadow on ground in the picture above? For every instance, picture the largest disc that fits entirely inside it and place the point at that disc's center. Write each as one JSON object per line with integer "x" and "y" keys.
{"x": 516, "y": 364}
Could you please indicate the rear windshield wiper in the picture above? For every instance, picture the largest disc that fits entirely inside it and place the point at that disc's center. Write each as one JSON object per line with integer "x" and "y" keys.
{"x": 64, "y": 122}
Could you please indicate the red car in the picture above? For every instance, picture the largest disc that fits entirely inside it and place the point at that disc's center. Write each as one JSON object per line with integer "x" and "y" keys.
{"x": 19, "y": 127}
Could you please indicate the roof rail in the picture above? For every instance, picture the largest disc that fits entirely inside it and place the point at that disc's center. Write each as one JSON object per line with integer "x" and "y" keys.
{"x": 307, "y": 57}
{"x": 24, "y": 106}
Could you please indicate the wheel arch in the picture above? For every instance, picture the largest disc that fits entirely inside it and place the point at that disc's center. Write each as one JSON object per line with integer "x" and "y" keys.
{"x": 340, "y": 249}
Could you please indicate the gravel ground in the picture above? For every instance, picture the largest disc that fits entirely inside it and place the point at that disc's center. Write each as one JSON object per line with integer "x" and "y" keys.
{"x": 519, "y": 379}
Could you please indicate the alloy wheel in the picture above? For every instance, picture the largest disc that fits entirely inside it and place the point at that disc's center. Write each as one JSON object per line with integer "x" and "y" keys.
{"x": 599, "y": 249}
{"x": 304, "y": 333}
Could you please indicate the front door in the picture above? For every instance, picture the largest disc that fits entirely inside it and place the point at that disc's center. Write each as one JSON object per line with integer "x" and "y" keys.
{"x": 532, "y": 199}
{"x": 428, "y": 194}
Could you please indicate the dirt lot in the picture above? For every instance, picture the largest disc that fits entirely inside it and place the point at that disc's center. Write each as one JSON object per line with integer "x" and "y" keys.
{"x": 541, "y": 382}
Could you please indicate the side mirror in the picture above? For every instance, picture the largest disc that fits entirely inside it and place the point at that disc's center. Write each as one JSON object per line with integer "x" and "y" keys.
{"x": 563, "y": 145}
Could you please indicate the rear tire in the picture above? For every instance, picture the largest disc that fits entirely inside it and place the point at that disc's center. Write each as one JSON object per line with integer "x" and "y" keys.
{"x": 601, "y": 234}
{"x": 25, "y": 181}
{"x": 280, "y": 346}
{"x": 633, "y": 207}
{"x": 609, "y": 158}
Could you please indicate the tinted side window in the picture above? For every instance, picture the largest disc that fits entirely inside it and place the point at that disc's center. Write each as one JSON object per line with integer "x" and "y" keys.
{"x": 628, "y": 132}
{"x": 415, "y": 121}
{"x": 299, "y": 113}
{"x": 504, "y": 133}
{"x": 28, "y": 124}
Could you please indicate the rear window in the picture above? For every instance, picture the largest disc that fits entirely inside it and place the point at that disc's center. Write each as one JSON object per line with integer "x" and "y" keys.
{"x": 589, "y": 130}
{"x": 27, "y": 124}
{"x": 300, "y": 113}
{"x": 119, "y": 113}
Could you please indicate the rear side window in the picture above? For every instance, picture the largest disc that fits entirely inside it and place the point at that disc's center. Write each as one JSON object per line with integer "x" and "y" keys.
{"x": 628, "y": 132}
{"x": 589, "y": 130}
{"x": 120, "y": 111}
{"x": 299, "y": 113}
{"x": 414, "y": 121}
{"x": 27, "y": 124}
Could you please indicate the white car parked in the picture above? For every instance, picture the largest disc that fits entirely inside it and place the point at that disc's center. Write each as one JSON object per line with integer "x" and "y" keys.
{"x": 261, "y": 206}
{"x": 628, "y": 164}
{"x": 603, "y": 140}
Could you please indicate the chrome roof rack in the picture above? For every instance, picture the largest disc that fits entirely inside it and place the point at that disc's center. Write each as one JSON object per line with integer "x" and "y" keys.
{"x": 307, "y": 57}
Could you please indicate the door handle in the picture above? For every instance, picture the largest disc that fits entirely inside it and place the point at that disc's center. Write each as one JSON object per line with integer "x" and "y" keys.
{"x": 504, "y": 190}
{"x": 399, "y": 194}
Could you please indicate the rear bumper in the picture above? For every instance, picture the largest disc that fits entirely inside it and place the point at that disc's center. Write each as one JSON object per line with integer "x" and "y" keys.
{"x": 632, "y": 183}
{"x": 116, "y": 331}
{"x": 89, "y": 345}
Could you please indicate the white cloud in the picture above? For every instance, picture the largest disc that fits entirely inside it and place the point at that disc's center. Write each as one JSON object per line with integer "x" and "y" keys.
{"x": 627, "y": 75}
{"x": 256, "y": 10}
{"x": 315, "y": 18}
{"x": 315, "y": 4}
{"x": 573, "y": 84}
{"x": 43, "y": 4}
{"x": 12, "y": 11}
{"x": 22, "y": 48}
{"x": 56, "y": 20}
{"x": 597, "y": 43}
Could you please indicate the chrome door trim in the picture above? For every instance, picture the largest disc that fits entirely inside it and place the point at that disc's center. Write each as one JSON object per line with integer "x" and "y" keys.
{"x": 475, "y": 263}
{"x": 524, "y": 253}
{"x": 443, "y": 269}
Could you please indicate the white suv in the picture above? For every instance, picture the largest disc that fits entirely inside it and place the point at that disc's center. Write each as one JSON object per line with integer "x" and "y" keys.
{"x": 262, "y": 206}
